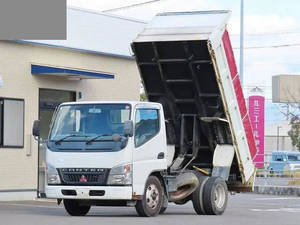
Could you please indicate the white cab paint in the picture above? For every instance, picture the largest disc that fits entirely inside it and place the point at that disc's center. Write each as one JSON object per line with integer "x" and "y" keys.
{"x": 145, "y": 159}
{"x": 170, "y": 154}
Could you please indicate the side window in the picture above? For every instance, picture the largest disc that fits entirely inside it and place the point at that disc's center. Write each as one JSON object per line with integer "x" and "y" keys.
{"x": 293, "y": 158}
{"x": 146, "y": 125}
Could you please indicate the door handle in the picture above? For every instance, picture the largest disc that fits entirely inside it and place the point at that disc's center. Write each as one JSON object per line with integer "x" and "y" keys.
{"x": 161, "y": 155}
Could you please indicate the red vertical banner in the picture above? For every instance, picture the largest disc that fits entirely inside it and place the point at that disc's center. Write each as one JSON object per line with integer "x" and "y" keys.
{"x": 257, "y": 117}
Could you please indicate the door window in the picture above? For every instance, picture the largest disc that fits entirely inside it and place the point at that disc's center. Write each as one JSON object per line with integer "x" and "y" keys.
{"x": 146, "y": 125}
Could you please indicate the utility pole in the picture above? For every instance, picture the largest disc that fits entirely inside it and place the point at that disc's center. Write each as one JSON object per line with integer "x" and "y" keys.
{"x": 242, "y": 44}
{"x": 278, "y": 127}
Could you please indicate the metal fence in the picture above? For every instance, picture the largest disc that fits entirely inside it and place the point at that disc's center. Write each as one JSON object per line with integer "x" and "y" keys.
{"x": 282, "y": 175}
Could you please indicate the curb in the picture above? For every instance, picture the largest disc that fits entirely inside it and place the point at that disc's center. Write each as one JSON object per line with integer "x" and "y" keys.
{"x": 277, "y": 190}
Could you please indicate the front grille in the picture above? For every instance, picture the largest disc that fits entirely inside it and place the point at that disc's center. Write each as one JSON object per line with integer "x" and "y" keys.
{"x": 83, "y": 176}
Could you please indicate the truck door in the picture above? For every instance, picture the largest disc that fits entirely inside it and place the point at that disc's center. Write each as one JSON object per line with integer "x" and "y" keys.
{"x": 150, "y": 150}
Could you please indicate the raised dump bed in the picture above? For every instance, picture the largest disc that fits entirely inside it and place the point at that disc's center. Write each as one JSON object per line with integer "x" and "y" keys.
{"x": 190, "y": 69}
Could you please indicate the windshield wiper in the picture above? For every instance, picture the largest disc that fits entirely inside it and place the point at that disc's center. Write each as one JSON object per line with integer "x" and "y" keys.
{"x": 96, "y": 137}
{"x": 68, "y": 136}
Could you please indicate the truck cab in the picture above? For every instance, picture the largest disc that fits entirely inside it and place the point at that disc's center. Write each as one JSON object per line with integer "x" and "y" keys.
{"x": 89, "y": 149}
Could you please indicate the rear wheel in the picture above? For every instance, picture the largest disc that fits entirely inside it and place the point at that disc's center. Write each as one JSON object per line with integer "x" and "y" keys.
{"x": 152, "y": 200}
{"x": 215, "y": 196}
{"x": 75, "y": 207}
{"x": 197, "y": 196}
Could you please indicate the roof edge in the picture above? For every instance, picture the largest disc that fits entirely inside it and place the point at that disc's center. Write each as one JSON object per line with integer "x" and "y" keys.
{"x": 107, "y": 14}
{"x": 74, "y": 49}
{"x": 194, "y": 12}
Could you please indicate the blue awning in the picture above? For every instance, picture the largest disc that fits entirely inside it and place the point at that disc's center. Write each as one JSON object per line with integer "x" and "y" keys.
{"x": 69, "y": 73}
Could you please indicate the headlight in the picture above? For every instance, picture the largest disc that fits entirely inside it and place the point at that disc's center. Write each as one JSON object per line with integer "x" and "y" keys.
{"x": 52, "y": 175}
{"x": 120, "y": 175}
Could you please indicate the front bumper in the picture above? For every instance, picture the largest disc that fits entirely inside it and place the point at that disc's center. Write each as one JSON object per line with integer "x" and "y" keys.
{"x": 84, "y": 192}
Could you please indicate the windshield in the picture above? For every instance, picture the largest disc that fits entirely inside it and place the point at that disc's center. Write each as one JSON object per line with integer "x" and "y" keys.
{"x": 86, "y": 121}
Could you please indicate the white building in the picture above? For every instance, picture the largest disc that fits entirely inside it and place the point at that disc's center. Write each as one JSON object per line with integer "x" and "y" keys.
{"x": 94, "y": 63}
{"x": 277, "y": 138}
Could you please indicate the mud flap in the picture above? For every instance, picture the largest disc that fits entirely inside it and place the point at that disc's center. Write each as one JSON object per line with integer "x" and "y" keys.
{"x": 223, "y": 156}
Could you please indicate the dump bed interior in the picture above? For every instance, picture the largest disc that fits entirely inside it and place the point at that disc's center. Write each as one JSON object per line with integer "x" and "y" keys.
{"x": 180, "y": 75}
{"x": 178, "y": 71}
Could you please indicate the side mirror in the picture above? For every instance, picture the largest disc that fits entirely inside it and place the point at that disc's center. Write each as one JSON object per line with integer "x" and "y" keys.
{"x": 36, "y": 128}
{"x": 128, "y": 128}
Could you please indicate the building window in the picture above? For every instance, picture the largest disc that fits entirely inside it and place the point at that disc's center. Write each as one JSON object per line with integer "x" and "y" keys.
{"x": 11, "y": 123}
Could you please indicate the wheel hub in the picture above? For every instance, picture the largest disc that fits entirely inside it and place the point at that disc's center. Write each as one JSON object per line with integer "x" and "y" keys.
{"x": 220, "y": 196}
{"x": 152, "y": 196}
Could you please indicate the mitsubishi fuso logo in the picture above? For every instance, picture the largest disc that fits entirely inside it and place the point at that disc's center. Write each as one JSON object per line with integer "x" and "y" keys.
{"x": 82, "y": 179}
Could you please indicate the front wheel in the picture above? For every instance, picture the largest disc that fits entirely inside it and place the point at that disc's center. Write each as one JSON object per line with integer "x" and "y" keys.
{"x": 152, "y": 200}
{"x": 164, "y": 204}
{"x": 76, "y": 208}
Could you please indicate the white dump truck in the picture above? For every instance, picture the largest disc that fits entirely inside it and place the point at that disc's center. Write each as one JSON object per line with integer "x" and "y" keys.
{"x": 192, "y": 141}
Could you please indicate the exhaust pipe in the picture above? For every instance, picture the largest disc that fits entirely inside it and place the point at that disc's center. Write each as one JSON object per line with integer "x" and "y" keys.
{"x": 186, "y": 184}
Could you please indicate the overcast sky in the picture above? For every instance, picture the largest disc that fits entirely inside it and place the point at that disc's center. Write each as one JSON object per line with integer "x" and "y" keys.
{"x": 272, "y": 31}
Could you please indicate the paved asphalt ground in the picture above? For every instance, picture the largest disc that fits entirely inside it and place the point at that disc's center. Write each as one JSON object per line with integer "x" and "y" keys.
{"x": 242, "y": 209}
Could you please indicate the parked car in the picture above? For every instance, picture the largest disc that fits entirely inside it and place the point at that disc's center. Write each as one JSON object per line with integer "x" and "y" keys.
{"x": 284, "y": 161}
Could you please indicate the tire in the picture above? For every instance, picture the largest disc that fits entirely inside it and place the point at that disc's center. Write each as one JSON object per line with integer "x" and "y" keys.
{"x": 197, "y": 196}
{"x": 215, "y": 196}
{"x": 74, "y": 208}
{"x": 152, "y": 200}
{"x": 162, "y": 210}
{"x": 164, "y": 204}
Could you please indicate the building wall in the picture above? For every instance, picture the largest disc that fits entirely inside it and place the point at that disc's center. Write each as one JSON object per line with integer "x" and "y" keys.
{"x": 284, "y": 144}
{"x": 19, "y": 167}
{"x": 286, "y": 88}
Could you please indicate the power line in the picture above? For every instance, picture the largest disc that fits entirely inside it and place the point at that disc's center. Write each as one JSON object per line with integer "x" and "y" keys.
{"x": 267, "y": 34}
{"x": 270, "y": 46}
